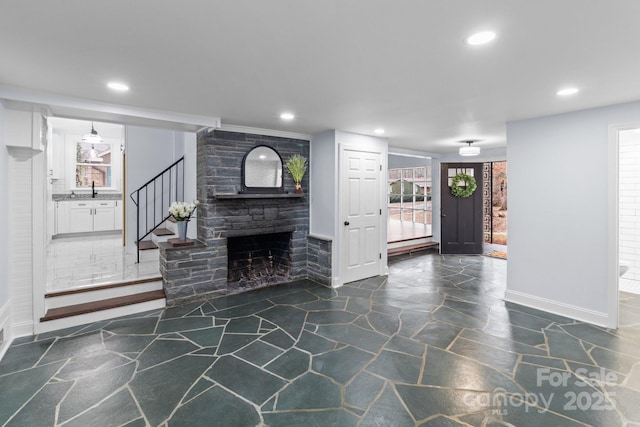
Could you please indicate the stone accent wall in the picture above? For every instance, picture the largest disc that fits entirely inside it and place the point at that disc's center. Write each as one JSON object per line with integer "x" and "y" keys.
{"x": 319, "y": 260}
{"x": 219, "y": 165}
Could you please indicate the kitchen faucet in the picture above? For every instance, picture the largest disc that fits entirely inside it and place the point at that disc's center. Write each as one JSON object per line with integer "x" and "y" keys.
{"x": 93, "y": 190}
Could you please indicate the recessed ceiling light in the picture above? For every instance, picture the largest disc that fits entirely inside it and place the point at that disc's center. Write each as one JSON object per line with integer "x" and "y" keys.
{"x": 287, "y": 116}
{"x": 481, "y": 38}
{"x": 379, "y": 131}
{"x": 567, "y": 91}
{"x": 117, "y": 86}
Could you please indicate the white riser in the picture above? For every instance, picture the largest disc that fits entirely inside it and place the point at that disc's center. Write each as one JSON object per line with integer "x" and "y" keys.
{"x": 171, "y": 226}
{"x": 102, "y": 294}
{"x": 82, "y": 319}
{"x": 409, "y": 243}
{"x": 161, "y": 239}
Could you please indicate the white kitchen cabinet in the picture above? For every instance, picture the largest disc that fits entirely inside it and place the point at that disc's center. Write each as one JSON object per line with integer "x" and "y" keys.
{"x": 119, "y": 215}
{"x": 25, "y": 129}
{"x": 55, "y": 157}
{"x": 104, "y": 214}
{"x": 61, "y": 218}
{"x": 81, "y": 216}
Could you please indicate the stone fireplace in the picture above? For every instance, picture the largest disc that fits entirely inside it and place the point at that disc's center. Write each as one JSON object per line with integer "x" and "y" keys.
{"x": 237, "y": 231}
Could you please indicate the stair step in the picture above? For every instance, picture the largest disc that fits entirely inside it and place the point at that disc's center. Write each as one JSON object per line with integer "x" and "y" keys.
{"x": 409, "y": 249}
{"x": 88, "y": 289}
{"x": 162, "y": 232}
{"x": 91, "y": 307}
{"x": 146, "y": 244}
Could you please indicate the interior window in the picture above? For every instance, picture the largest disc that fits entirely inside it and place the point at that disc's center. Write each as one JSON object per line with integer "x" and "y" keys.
{"x": 93, "y": 165}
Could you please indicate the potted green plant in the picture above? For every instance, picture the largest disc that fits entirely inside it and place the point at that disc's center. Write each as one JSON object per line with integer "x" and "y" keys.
{"x": 297, "y": 166}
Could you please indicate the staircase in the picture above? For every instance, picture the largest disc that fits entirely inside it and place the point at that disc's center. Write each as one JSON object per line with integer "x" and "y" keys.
{"x": 74, "y": 307}
{"x": 79, "y": 306}
{"x": 152, "y": 202}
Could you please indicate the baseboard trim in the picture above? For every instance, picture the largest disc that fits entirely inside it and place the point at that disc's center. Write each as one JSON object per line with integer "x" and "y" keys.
{"x": 4, "y": 324}
{"x": 559, "y": 308}
{"x": 23, "y": 329}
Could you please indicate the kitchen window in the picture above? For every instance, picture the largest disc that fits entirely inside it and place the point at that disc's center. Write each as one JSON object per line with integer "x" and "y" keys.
{"x": 93, "y": 167}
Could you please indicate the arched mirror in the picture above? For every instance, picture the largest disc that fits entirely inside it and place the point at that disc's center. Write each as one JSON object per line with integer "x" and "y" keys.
{"x": 262, "y": 171}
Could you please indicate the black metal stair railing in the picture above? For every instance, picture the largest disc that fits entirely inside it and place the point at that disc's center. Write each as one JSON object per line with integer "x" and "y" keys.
{"x": 153, "y": 199}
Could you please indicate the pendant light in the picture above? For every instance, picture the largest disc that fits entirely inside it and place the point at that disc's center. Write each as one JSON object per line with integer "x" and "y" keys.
{"x": 469, "y": 150}
{"x": 92, "y": 137}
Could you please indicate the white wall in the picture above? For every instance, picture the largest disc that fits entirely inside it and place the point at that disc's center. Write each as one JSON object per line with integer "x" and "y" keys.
{"x": 148, "y": 152}
{"x": 4, "y": 225}
{"x": 629, "y": 173}
{"x": 559, "y": 213}
{"x": 189, "y": 150}
{"x": 22, "y": 200}
{"x": 4, "y": 231}
{"x": 323, "y": 180}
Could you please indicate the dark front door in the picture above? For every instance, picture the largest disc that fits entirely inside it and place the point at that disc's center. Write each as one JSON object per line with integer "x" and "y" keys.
{"x": 461, "y": 217}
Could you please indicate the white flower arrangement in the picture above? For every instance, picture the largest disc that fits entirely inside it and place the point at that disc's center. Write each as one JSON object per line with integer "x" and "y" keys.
{"x": 182, "y": 211}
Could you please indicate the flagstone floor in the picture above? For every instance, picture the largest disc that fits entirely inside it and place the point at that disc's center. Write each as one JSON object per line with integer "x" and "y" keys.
{"x": 431, "y": 345}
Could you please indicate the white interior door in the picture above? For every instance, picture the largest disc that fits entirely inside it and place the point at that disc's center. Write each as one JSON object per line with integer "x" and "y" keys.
{"x": 361, "y": 213}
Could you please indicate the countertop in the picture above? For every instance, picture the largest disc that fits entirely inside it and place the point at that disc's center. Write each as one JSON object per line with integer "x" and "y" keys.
{"x": 86, "y": 196}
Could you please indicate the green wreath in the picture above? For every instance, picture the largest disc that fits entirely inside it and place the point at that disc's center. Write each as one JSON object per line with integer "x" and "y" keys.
{"x": 469, "y": 187}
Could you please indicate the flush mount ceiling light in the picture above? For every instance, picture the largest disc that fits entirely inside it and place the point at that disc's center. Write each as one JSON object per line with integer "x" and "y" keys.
{"x": 379, "y": 131}
{"x": 287, "y": 116}
{"x": 118, "y": 86}
{"x": 481, "y": 38}
{"x": 469, "y": 150}
{"x": 567, "y": 91}
{"x": 92, "y": 137}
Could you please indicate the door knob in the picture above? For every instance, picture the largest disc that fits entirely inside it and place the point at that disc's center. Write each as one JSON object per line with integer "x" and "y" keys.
{"x": 346, "y": 223}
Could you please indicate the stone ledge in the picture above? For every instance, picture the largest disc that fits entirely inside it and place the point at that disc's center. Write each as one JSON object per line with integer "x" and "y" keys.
{"x": 258, "y": 231}
{"x": 226, "y": 196}
{"x": 197, "y": 244}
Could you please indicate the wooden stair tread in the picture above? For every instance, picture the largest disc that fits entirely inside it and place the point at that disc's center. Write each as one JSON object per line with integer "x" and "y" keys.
{"x": 162, "y": 232}
{"x": 101, "y": 287}
{"x": 409, "y": 239}
{"x": 147, "y": 244}
{"x": 411, "y": 248}
{"x": 106, "y": 304}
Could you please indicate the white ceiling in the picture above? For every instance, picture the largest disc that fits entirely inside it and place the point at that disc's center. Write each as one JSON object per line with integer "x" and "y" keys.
{"x": 351, "y": 65}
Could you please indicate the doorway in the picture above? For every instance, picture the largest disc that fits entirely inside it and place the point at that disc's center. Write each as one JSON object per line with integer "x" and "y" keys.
{"x": 494, "y": 208}
{"x": 85, "y": 204}
{"x": 628, "y": 206}
{"x": 361, "y": 213}
{"x": 461, "y": 215}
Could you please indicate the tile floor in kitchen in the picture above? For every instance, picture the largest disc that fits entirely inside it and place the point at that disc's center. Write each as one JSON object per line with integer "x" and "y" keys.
{"x": 81, "y": 261}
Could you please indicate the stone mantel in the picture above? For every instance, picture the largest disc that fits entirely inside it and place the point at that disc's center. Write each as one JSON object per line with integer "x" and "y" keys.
{"x": 232, "y": 196}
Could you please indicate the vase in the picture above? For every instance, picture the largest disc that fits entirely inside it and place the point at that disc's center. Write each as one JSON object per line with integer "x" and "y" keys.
{"x": 298, "y": 188}
{"x": 182, "y": 229}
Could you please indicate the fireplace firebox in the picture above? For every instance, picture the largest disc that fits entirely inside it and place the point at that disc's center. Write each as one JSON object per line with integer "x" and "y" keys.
{"x": 258, "y": 260}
